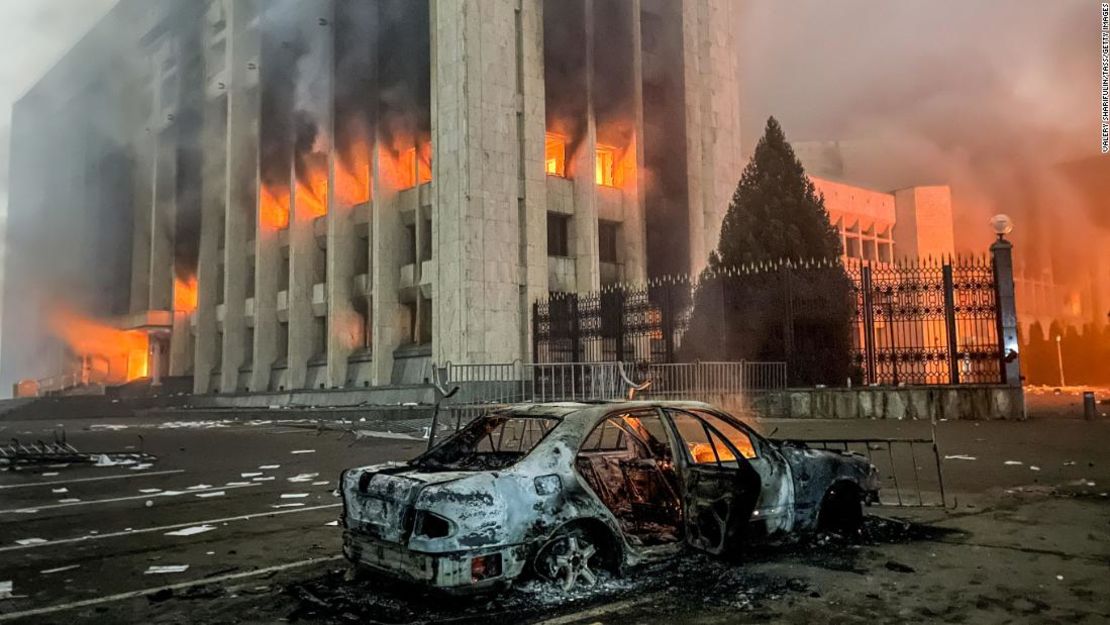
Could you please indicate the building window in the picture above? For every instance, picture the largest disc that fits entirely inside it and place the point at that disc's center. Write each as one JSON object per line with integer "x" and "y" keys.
{"x": 607, "y": 241}
{"x": 558, "y": 242}
{"x": 606, "y": 158}
{"x": 555, "y": 155}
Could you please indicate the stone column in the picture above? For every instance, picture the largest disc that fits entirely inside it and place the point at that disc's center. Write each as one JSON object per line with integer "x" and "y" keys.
{"x": 584, "y": 244}
{"x": 712, "y": 119}
{"x": 477, "y": 69}
{"x": 532, "y": 195}
{"x": 213, "y": 208}
{"x": 1002, "y": 256}
{"x": 388, "y": 315}
{"x": 634, "y": 229}
{"x": 241, "y": 193}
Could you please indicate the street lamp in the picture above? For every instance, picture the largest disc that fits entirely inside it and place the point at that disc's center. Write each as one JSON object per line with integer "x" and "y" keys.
{"x": 1002, "y": 225}
{"x": 1060, "y": 359}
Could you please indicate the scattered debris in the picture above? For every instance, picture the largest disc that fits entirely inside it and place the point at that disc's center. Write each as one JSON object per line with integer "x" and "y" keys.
{"x": 960, "y": 457}
{"x": 1013, "y": 463}
{"x": 59, "y": 453}
{"x": 250, "y": 474}
{"x": 303, "y": 477}
{"x": 270, "y": 467}
{"x": 165, "y": 569}
{"x": 6, "y": 589}
{"x": 190, "y": 531}
{"x": 287, "y": 505}
{"x": 69, "y": 500}
{"x": 30, "y": 541}
{"x": 216, "y": 493}
{"x": 60, "y": 569}
{"x": 147, "y": 491}
{"x": 59, "y": 491}
{"x": 268, "y": 478}
{"x": 199, "y": 487}
{"x": 1034, "y": 468}
{"x": 294, "y": 495}
{"x": 898, "y": 567}
{"x": 303, "y": 451}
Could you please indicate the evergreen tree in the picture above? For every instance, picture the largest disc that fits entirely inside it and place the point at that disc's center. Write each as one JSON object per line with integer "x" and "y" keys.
{"x": 798, "y": 314}
{"x": 776, "y": 213}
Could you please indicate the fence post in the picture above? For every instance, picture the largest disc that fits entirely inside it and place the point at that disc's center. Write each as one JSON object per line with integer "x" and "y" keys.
{"x": 575, "y": 333}
{"x": 868, "y": 324}
{"x": 950, "y": 325}
{"x": 535, "y": 332}
{"x": 1002, "y": 262}
{"x": 788, "y": 316}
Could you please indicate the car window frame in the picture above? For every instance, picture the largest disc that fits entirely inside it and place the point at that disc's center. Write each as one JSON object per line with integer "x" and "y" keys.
{"x": 687, "y": 456}
{"x": 756, "y": 439}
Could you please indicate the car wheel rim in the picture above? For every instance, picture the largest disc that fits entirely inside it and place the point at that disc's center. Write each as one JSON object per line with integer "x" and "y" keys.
{"x": 569, "y": 563}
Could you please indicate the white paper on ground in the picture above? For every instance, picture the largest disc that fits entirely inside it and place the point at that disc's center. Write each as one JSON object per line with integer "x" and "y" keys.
{"x": 238, "y": 484}
{"x": 147, "y": 491}
{"x": 167, "y": 568}
{"x": 30, "y": 541}
{"x": 60, "y": 569}
{"x": 69, "y": 500}
{"x": 199, "y": 487}
{"x": 262, "y": 479}
{"x": 1012, "y": 463}
{"x": 288, "y": 505}
{"x": 6, "y": 588}
{"x": 303, "y": 477}
{"x": 215, "y": 493}
{"x": 189, "y": 531}
{"x": 332, "y": 524}
{"x": 321, "y": 483}
{"x": 294, "y": 495}
{"x": 252, "y": 474}
{"x": 270, "y": 467}
{"x": 960, "y": 457}
{"x": 59, "y": 491}
{"x": 303, "y": 451}
{"x": 141, "y": 466}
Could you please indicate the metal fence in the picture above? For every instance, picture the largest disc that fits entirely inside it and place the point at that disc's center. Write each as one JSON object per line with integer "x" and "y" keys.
{"x": 927, "y": 322}
{"x": 484, "y": 387}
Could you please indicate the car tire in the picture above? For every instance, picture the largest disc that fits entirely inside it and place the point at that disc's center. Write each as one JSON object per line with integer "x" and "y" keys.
{"x": 841, "y": 510}
{"x": 570, "y": 558}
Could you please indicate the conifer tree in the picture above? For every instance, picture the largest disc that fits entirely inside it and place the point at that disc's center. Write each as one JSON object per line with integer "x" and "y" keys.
{"x": 801, "y": 315}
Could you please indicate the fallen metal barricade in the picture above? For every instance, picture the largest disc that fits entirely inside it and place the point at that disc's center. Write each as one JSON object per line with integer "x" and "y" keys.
{"x": 897, "y": 461}
{"x": 58, "y": 451}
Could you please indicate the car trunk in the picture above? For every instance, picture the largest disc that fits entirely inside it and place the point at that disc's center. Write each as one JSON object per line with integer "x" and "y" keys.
{"x": 381, "y": 504}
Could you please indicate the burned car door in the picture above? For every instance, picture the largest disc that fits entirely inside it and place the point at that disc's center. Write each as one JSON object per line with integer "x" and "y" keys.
{"x": 775, "y": 507}
{"x": 720, "y": 487}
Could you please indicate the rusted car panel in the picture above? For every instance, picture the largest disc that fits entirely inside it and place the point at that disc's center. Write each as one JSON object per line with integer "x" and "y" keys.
{"x": 554, "y": 489}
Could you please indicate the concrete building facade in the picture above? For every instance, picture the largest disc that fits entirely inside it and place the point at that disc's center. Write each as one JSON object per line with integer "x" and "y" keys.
{"x": 336, "y": 194}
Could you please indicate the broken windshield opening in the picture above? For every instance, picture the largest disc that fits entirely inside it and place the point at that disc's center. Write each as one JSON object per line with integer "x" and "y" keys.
{"x": 492, "y": 442}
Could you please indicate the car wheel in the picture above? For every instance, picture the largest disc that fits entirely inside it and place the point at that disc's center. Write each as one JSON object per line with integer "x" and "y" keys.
{"x": 842, "y": 510}
{"x": 567, "y": 559}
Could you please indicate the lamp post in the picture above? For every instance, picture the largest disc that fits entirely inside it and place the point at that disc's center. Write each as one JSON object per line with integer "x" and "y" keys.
{"x": 1060, "y": 359}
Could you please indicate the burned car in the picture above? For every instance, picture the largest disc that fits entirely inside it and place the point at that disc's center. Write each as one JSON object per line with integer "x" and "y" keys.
{"x": 564, "y": 490}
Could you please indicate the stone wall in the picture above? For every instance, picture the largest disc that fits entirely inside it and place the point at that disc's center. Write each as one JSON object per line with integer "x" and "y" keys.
{"x": 970, "y": 402}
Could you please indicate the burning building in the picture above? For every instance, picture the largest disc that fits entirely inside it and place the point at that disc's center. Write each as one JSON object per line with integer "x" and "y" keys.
{"x": 285, "y": 194}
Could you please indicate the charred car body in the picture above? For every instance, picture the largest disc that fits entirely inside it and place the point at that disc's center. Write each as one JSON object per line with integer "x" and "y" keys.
{"x": 563, "y": 490}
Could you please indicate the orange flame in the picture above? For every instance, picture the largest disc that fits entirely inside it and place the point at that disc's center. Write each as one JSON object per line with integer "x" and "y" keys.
{"x": 352, "y": 176}
{"x": 185, "y": 294}
{"x": 403, "y": 168}
{"x": 123, "y": 353}
{"x": 312, "y": 188}
{"x": 273, "y": 208}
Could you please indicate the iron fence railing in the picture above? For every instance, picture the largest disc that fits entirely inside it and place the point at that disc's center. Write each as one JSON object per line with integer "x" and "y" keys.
{"x": 922, "y": 322}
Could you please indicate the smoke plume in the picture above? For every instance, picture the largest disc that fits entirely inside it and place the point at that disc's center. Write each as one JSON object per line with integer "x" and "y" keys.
{"x": 990, "y": 98}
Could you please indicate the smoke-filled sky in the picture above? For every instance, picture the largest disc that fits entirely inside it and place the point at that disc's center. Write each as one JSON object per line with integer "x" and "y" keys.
{"x": 34, "y": 34}
{"x": 985, "y": 95}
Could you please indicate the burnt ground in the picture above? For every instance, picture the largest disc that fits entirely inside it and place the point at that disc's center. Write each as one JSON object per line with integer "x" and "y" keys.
{"x": 1021, "y": 545}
